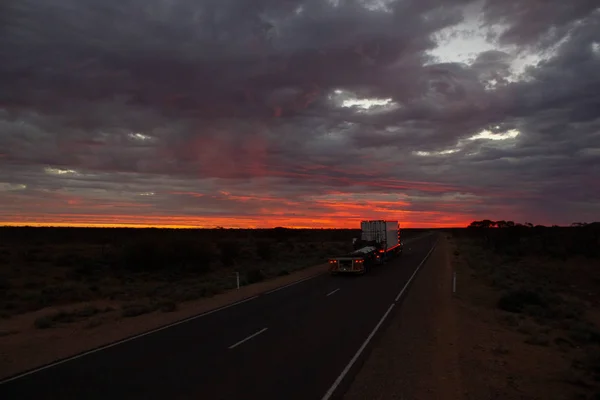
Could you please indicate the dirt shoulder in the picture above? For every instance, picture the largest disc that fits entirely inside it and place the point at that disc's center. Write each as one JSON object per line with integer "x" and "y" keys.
{"x": 463, "y": 345}
{"x": 24, "y": 346}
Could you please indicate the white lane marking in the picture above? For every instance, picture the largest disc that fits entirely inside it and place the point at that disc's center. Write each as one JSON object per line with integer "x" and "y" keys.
{"x": 343, "y": 374}
{"x": 108, "y": 346}
{"x": 353, "y": 360}
{"x": 330, "y": 293}
{"x": 414, "y": 273}
{"x": 248, "y": 338}
{"x": 294, "y": 283}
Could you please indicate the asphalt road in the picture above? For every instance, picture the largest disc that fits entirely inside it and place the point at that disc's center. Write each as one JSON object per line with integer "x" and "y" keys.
{"x": 289, "y": 344}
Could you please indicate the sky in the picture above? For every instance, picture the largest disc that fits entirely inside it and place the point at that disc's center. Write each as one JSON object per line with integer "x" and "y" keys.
{"x": 315, "y": 113}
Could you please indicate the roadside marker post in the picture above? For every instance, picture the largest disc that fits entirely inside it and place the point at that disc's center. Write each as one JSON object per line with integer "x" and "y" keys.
{"x": 237, "y": 278}
{"x": 454, "y": 282}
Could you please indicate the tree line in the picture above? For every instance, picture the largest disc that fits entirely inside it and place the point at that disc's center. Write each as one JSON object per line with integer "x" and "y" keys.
{"x": 487, "y": 223}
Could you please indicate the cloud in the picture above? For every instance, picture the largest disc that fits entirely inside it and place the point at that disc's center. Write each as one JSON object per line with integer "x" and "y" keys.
{"x": 303, "y": 113}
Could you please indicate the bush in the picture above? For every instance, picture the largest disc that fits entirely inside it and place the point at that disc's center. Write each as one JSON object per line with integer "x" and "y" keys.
{"x": 4, "y": 284}
{"x": 154, "y": 255}
{"x": 255, "y": 275}
{"x": 264, "y": 250}
{"x": 44, "y": 322}
{"x": 538, "y": 340}
{"x": 584, "y": 332}
{"x": 230, "y": 252}
{"x": 87, "y": 311}
{"x": 168, "y": 306}
{"x": 515, "y": 301}
{"x": 134, "y": 310}
{"x": 70, "y": 260}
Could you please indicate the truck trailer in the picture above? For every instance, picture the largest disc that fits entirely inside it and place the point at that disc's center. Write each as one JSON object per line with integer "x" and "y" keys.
{"x": 379, "y": 241}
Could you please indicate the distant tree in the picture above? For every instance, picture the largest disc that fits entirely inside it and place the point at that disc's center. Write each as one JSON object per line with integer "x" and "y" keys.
{"x": 578, "y": 224}
{"x": 529, "y": 224}
{"x": 510, "y": 224}
{"x": 501, "y": 224}
{"x": 488, "y": 223}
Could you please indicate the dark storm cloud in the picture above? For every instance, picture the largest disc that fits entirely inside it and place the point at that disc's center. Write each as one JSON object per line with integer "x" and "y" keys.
{"x": 167, "y": 104}
{"x": 539, "y": 24}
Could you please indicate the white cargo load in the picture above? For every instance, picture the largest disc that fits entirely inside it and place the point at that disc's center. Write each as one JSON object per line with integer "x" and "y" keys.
{"x": 385, "y": 232}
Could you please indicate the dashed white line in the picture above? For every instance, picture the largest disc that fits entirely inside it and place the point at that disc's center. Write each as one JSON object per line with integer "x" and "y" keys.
{"x": 332, "y": 292}
{"x": 248, "y": 338}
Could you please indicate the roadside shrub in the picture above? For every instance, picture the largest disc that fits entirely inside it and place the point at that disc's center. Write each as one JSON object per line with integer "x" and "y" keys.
{"x": 255, "y": 275}
{"x": 584, "y": 332}
{"x": 4, "y": 284}
{"x": 70, "y": 260}
{"x": 167, "y": 306}
{"x": 87, "y": 311}
{"x": 154, "y": 255}
{"x": 134, "y": 310}
{"x": 510, "y": 320}
{"x": 515, "y": 301}
{"x": 264, "y": 251}
{"x": 538, "y": 339}
{"x": 44, "y": 322}
{"x": 589, "y": 363}
{"x": 63, "y": 316}
{"x": 230, "y": 252}
{"x": 93, "y": 323}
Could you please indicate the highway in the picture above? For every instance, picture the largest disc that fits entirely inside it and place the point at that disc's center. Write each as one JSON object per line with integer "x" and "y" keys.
{"x": 299, "y": 342}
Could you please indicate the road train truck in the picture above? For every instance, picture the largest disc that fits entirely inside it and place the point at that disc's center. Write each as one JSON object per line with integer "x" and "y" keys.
{"x": 379, "y": 241}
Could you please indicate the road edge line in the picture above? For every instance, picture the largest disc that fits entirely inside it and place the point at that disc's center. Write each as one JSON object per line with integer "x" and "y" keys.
{"x": 233, "y": 346}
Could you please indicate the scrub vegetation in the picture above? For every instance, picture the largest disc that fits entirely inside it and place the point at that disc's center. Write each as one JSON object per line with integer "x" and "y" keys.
{"x": 544, "y": 283}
